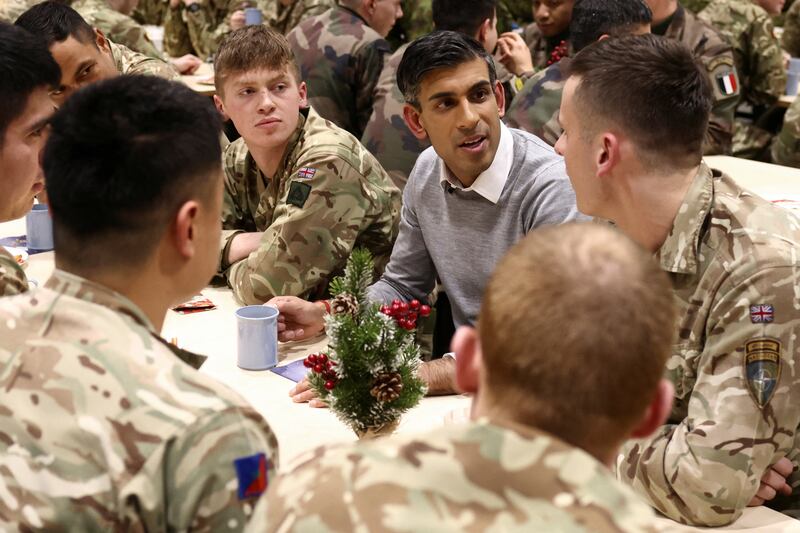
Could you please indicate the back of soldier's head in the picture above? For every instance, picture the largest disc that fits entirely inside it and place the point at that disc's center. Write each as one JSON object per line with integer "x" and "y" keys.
{"x": 438, "y": 50}
{"x": 653, "y": 89}
{"x": 255, "y": 47}
{"x": 591, "y": 19}
{"x": 576, "y": 326}
{"x": 465, "y": 16}
{"x": 123, "y": 156}
{"x": 55, "y": 22}
{"x": 25, "y": 65}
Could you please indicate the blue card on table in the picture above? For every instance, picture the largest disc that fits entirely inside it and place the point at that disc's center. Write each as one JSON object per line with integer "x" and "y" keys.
{"x": 294, "y": 371}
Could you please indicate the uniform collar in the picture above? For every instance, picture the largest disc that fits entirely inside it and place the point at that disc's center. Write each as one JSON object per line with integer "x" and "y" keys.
{"x": 679, "y": 252}
{"x": 491, "y": 181}
{"x": 287, "y": 152}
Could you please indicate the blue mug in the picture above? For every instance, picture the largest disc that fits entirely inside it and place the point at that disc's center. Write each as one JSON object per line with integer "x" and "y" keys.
{"x": 39, "y": 227}
{"x": 257, "y": 339}
{"x": 252, "y": 16}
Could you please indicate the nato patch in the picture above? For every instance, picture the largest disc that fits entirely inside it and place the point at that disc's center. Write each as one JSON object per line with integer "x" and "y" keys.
{"x": 298, "y": 194}
{"x": 762, "y": 367}
{"x": 251, "y": 472}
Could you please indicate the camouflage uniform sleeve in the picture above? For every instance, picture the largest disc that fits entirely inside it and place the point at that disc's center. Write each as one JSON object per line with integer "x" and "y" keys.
{"x": 127, "y": 32}
{"x": 176, "y": 34}
{"x": 234, "y": 220}
{"x": 786, "y": 145}
{"x": 12, "y": 277}
{"x": 205, "y": 31}
{"x": 369, "y": 64}
{"x": 535, "y": 108}
{"x": 791, "y": 31}
{"x": 706, "y": 468}
{"x": 768, "y": 79}
{"x": 150, "y": 12}
{"x": 308, "y": 235}
{"x": 719, "y": 137}
{"x": 200, "y": 477}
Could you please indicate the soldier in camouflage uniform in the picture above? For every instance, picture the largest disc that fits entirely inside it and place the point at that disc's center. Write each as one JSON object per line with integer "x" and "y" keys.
{"x": 785, "y": 148}
{"x": 516, "y": 467}
{"x": 734, "y": 262}
{"x": 790, "y": 40}
{"x": 150, "y": 12}
{"x": 341, "y": 54}
{"x": 759, "y": 64}
{"x": 104, "y": 427}
{"x": 27, "y": 74}
{"x": 83, "y": 53}
{"x": 548, "y": 36}
{"x": 290, "y": 13}
{"x": 116, "y": 26}
{"x": 306, "y": 191}
{"x": 11, "y": 9}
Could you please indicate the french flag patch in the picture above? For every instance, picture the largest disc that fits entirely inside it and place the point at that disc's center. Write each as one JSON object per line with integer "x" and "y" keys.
{"x": 727, "y": 83}
{"x": 251, "y": 472}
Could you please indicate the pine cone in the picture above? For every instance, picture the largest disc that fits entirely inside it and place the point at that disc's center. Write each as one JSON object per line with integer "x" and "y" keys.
{"x": 345, "y": 303}
{"x": 387, "y": 387}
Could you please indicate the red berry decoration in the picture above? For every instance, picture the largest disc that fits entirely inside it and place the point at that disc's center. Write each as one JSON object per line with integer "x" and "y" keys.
{"x": 414, "y": 304}
{"x": 322, "y": 358}
{"x": 307, "y": 363}
{"x": 330, "y": 384}
{"x": 424, "y": 310}
{"x": 318, "y": 368}
{"x": 403, "y": 307}
{"x": 312, "y": 358}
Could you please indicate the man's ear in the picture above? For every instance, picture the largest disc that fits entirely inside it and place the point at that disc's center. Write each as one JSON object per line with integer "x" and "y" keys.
{"x": 219, "y": 105}
{"x": 467, "y": 348}
{"x": 369, "y": 6}
{"x": 500, "y": 98}
{"x": 184, "y": 234}
{"x": 657, "y": 412}
{"x": 413, "y": 120}
{"x": 607, "y": 156}
{"x": 302, "y": 90}
{"x": 101, "y": 41}
{"x": 483, "y": 30}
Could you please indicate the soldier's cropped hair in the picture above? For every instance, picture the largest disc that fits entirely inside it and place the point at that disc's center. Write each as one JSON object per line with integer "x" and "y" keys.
{"x": 576, "y": 326}
{"x": 25, "y": 65}
{"x": 55, "y": 22}
{"x": 650, "y": 87}
{"x": 592, "y": 19}
{"x": 464, "y": 16}
{"x": 123, "y": 155}
{"x": 437, "y": 50}
{"x": 252, "y": 48}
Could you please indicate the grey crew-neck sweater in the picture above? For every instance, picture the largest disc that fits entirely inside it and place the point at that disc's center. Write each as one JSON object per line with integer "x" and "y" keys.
{"x": 460, "y": 236}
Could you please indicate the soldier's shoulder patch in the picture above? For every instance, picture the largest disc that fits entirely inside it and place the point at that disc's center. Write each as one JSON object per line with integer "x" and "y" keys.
{"x": 298, "y": 194}
{"x": 723, "y": 75}
{"x": 251, "y": 473}
{"x": 762, "y": 368}
{"x": 306, "y": 173}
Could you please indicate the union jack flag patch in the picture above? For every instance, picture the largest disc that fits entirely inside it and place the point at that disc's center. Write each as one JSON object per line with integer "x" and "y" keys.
{"x": 761, "y": 313}
{"x": 306, "y": 173}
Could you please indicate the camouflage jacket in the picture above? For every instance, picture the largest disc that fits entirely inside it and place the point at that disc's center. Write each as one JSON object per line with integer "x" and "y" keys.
{"x": 130, "y": 62}
{"x": 541, "y": 47}
{"x": 475, "y": 477}
{"x": 695, "y": 6}
{"x": 150, "y": 12}
{"x": 417, "y": 18}
{"x": 285, "y": 17}
{"x": 104, "y": 428}
{"x": 734, "y": 260}
{"x": 10, "y": 10}
{"x": 12, "y": 277}
{"x": 328, "y": 196}
{"x": 120, "y": 28}
{"x": 340, "y": 58}
{"x": 717, "y": 56}
{"x": 791, "y": 30}
{"x": 386, "y": 136}
{"x": 759, "y": 64}
{"x": 535, "y": 107}
{"x": 786, "y": 145}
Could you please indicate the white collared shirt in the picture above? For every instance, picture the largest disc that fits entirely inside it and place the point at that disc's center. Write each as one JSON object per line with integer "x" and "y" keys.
{"x": 491, "y": 181}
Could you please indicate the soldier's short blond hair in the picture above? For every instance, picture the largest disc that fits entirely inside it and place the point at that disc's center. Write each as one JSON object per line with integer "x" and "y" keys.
{"x": 576, "y": 327}
{"x": 251, "y": 48}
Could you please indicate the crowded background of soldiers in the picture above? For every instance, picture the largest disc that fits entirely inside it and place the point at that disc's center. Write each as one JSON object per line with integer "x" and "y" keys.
{"x": 623, "y": 315}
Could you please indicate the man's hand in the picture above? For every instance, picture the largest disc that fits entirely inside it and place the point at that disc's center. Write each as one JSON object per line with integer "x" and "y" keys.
{"x": 514, "y": 54}
{"x": 302, "y": 393}
{"x": 439, "y": 375}
{"x": 186, "y": 64}
{"x": 773, "y": 482}
{"x": 243, "y": 244}
{"x": 237, "y": 20}
{"x": 298, "y": 318}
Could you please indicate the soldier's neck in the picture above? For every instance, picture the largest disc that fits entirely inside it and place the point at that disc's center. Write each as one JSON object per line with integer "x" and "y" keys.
{"x": 268, "y": 159}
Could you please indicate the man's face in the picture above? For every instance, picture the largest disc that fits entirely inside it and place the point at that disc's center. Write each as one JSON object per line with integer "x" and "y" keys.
{"x": 773, "y": 7}
{"x": 383, "y": 15}
{"x": 20, "y": 173}
{"x": 81, "y": 64}
{"x": 460, "y": 113}
{"x": 579, "y": 153}
{"x": 264, "y": 105}
{"x": 552, "y": 16}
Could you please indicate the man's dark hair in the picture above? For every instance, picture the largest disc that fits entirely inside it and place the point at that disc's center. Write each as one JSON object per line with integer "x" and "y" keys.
{"x": 593, "y": 18}
{"x": 464, "y": 16}
{"x": 55, "y": 22}
{"x": 650, "y": 87}
{"x": 440, "y": 49}
{"x": 25, "y": 65}
{"x": 123, "y": 155}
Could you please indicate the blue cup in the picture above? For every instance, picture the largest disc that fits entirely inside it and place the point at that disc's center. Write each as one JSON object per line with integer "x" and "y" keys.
{"x": 252, "y": 16}
{"x": 793, "y": 76}
{"x": 39, "y": 227}
{"x": 257, "y": 339}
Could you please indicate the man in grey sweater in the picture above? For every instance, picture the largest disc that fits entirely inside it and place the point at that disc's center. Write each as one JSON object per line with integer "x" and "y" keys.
{"x": 470, "y": 197}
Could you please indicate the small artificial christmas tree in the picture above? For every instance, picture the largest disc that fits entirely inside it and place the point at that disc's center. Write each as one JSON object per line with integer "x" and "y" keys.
{"x": 368, "y": 377}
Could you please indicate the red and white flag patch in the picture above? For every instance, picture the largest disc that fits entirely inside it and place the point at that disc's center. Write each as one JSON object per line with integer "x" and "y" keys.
{"x": 727, "y": 83}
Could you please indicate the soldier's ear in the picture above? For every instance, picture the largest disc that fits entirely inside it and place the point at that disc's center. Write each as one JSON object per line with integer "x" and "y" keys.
{"x": 184, "y": 229}
{"x": 302, "y": 90}
{"x": 657, "y": 412}
{"x": 411, "y": 116}
{"x": 101, "y": 41}
{"x": 220, "y": 106}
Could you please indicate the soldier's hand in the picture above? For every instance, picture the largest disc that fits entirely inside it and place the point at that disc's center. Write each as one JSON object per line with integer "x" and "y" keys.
{"x": 514, "y": 54}
{"x": 302, "y": 393}
{"x": 242, "y": 245}
{"x": 237, "y": 20}
{"x": 299, "y": 319}
{"x": 186, "y": 64}
{"x": 773, "y": 482}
